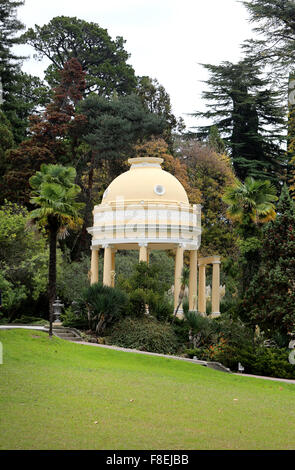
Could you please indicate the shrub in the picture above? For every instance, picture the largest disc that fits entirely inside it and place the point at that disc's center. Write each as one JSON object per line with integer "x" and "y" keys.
{"x": 29, "y": 320}
{"x": 72, "y": 279}
{"x": 137, "y": 302}
{"x": 74, "y": 319}
{"x": 159, "y": 306}
{"x": 104, "y": 305}
{"x": 145, "y": 334}
{"x": 272, "y": 362}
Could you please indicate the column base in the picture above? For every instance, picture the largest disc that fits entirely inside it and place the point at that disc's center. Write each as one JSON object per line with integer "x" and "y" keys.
{"x": 215, "y": 315}
{"x": 180, "y": 314}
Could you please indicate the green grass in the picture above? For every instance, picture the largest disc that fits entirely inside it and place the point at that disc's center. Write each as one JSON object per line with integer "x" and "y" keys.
{"x": 53, "y": 392}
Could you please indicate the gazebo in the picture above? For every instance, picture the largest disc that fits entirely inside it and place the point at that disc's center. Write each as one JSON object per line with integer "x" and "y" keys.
{"x": 145, "y": 209}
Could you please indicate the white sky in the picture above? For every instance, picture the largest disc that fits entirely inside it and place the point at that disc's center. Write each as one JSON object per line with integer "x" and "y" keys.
{"x": 167, "y": 39}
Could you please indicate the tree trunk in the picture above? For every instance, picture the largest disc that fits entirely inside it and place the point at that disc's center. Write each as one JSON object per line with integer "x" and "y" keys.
{"x": 53, "y": 229}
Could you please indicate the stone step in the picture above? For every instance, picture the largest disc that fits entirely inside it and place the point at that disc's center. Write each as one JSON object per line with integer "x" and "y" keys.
{"x": 69, "y": 334}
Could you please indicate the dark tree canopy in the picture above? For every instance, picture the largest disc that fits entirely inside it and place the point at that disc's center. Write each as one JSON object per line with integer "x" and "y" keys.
{"x": 270, "y": 298}
{"x": 115, "y": 125}
{"x": 275, "y": 23}
{"x": 103, "y": 59}
{"x": 50, "y": 133}
{"x": 9, "y": 27}
{"x": 157, "y": 100}
{"x": 249, "y": 117}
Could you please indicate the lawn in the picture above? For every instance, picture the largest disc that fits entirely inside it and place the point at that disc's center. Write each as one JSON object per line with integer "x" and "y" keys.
{"x": 60, "y": 395}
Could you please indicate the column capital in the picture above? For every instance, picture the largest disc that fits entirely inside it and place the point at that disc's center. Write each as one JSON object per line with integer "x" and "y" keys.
{"x": 106, "y": 245}
{"x": 143, "y": 244}
{"x": 181, "y": 245}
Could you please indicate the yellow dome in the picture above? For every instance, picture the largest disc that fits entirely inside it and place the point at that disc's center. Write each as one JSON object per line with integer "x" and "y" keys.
{"x": 145, "y": 181}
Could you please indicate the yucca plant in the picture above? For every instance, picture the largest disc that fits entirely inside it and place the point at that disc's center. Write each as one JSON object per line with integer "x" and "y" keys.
{"x": 55, "y": 192}
{"x": 200, "y": 328}
{"x": 104, "y": 304}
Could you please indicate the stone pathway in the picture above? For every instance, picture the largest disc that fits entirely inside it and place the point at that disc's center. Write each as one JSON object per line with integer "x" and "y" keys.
{"x": 213, "y": 365}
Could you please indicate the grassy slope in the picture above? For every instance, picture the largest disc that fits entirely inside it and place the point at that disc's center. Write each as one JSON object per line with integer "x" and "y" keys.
{"x": 53, "y": 392}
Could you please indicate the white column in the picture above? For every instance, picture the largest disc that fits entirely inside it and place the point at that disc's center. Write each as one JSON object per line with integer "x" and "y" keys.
{"x": 177, "y": 277}
{"x": 202, "y": 289}
{"x": 94, "y": 266}
{"x": 215, "y": 289}
{"x": 193, "y": 280}
{"x": 143, "y": 252}
{"x": 107, "y": 266}
{"x": 113, "y": 267}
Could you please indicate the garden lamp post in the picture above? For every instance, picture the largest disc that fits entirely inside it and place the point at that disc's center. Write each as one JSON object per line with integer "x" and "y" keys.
{"x": 57, "y": 306}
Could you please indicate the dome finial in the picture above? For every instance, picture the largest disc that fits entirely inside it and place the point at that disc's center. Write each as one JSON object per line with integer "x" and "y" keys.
{"x": 140, "y": 162}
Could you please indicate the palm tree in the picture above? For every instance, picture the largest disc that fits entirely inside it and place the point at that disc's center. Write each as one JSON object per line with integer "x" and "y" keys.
{"x": 55, "y": 192}
{"x": 251, "y": 203}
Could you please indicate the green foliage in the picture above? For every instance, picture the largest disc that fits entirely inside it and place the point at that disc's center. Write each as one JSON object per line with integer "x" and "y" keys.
{"x": 270, "y": 298}
{"x": 104, "y": 305}
{"x": 55, "y": 192}
{"x": 251, "y": 203}
{"x": 12, "y": 295}
{"x": 147, "y": 288}
{"x": 249, "y": 116}
{"x": 72, "y": 279}
{"x": 116, "y": 124}
{"x": 144, "y": 334}
{"x": 157, "y": 100}
{"x": 74, "y": 319}
{"x": 30, "y": 320}
{"x": 137, "y": 302}
{"x": 258, "y": 361}
{"x": 211, "y": 174}
{"x": 274, "y": 43}
{"x": 104, "y": 59}
{"x": 201, "y": 328}
{"x": 215, "y": 141}
{"x": 23, "y": 259}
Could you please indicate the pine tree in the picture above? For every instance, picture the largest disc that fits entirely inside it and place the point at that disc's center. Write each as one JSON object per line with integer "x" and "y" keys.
{"x": 274, "y": 45}
{"x": 248, "y": 116}
{"x": 270, "y": 299}
{"x": 273, "y": 48}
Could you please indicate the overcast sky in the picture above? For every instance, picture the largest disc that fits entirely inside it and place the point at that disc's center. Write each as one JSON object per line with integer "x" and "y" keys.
{"x": 167, "y": 39}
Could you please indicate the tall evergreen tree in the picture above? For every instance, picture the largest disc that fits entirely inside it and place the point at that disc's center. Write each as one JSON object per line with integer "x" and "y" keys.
{"x": 249, "y": 117}
{"x": 22, "y": 93}
{"x": 275, "y": 27}
{"x": 157, "y": 100}
{"x": 273, "y": 47}
{"x": 270, "y": 298}
{"x": 10, "y": 26}
{"x": 104, "y": 59}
